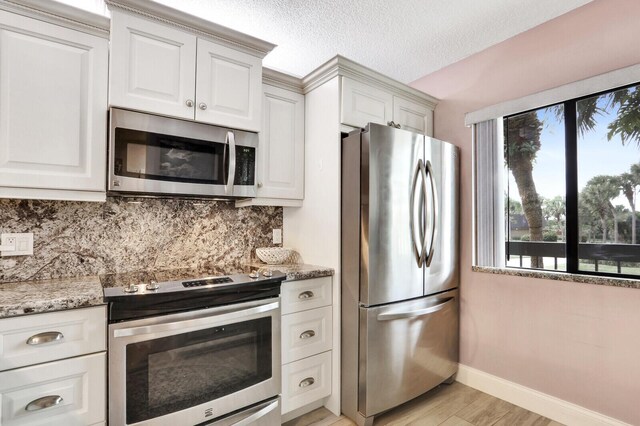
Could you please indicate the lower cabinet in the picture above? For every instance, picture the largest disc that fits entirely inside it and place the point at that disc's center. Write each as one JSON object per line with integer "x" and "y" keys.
{"x": 307, "y": 335}
{"x": 53, "y": 368}
{"x": 67, "y": 392}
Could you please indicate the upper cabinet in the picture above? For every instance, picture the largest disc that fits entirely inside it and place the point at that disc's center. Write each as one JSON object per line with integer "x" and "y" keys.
{"x": 280, "y": 166}
{"x": 53, "y": 104}
{"x": 379, "y": 102}
{"x": 167, "y": 62}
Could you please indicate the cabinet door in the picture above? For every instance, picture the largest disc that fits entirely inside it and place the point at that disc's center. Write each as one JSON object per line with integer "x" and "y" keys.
{"x": 153, "y": 66}
{"x": 410, "y": 115}
{"x": 281, "y": 148}
{"x": 362, "y": 104}
{"x": 71, "y": 392}
{"x": 53, "y": 101}
{"x": 228, "y": 87}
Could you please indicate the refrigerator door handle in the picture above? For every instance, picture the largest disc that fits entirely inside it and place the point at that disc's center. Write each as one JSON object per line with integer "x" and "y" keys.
{"x": 412, "y": 208}
{"x": 417, "y": 313}
{"x": 423, "y": 209}
{"x": 434, "y": 214}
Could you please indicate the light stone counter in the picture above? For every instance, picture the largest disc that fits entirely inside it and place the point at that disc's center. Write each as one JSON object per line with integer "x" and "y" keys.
{"x": 30, "y": 297}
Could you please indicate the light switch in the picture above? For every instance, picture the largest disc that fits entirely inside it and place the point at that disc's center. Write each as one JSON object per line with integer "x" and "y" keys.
{"x": 277, "y": 236}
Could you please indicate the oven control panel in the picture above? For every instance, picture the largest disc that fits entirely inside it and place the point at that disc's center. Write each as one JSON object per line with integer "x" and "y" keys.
{"x": 207, "y": 281}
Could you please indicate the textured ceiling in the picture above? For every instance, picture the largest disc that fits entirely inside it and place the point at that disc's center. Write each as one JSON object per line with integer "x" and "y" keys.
{"x": 404, "y": 39}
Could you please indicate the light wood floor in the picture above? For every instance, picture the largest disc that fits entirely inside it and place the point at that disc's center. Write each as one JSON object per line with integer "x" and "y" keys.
{"x": 446, "y": 405}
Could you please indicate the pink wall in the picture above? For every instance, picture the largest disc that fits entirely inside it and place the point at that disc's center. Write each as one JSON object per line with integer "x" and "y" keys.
{"x": 577, "y": 342}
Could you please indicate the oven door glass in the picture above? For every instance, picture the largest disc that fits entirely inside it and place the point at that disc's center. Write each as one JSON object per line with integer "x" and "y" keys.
{"x": 173, "y": 373}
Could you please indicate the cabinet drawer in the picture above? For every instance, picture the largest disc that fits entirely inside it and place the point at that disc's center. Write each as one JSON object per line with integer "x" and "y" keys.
{"x": 305, "y": 294}
{"x": 51, "y": 336}
{"x": 306, "y": 333}
{"x": 306, "y": 381}
{"x": 69, "y": 392}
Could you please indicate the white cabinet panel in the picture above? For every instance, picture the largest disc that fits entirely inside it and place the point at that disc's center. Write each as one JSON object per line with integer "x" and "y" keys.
{"x": 53, "y": 101}
{"x": 306, "y": 333}
{"x": 362, "y": 103}
{"x": 152, "y": 66}
{"x": 281, "y": 149}
{"x": 410, "y": 115}
{"x": 301, "y": 295}
{"x": 228, "y": 87}
{"x": 72, "y": 392}
{"x": 306, "y": 381}
{"x": 32, "y": 339}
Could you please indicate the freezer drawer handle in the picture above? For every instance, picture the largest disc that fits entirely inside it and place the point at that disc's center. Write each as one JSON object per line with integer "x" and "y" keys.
{"x": 44, "y": 402}
{"x": 46, "y": 337}
{"x": 307, "y": 382}
{"x": 307, "y": 334}
{"x": 305, "y": 295}
{"x": 416, "y": 313}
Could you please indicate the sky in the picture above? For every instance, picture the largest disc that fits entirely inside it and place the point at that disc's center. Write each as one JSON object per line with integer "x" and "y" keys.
{"x": 596, "y": 156}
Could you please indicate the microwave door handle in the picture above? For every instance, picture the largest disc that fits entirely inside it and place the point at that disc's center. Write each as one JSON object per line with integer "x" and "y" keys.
{"x": 231, "y": 141}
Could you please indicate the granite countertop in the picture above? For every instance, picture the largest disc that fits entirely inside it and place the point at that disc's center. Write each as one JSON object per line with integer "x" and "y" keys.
{"x": 296, "y": 271}
{"x": 30, "y": 297}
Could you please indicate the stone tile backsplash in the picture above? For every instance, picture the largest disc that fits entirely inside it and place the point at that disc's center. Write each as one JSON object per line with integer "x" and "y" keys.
{"x": 130, "y": 234}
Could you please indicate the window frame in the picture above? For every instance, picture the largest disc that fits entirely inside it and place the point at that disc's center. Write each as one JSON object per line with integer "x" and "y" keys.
{"x": 572, "y": 233}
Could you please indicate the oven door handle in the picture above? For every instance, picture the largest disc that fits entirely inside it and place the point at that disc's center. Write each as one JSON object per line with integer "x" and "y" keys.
{"x": 181, "y": 326}
{"x": 258, "y": 414}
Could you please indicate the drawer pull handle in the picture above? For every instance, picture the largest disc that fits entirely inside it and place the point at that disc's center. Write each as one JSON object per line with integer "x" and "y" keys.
{"x": 307, "y": 382}
{"x": 46, "y": 337}
{"x": 305, "y": 295}
{"x": 44, "y": 402}
{"x": 307, "y": 334}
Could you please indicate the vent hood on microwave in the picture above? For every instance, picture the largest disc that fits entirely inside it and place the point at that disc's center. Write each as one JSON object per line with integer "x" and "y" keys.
{"x": 151, "y": 155}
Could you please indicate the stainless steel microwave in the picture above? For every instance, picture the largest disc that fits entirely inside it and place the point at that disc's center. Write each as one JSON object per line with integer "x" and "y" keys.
{"x": 154, "y": 155}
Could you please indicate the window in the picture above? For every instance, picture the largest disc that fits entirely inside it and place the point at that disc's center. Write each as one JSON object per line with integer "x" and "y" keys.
{"x": 572, "y": 176}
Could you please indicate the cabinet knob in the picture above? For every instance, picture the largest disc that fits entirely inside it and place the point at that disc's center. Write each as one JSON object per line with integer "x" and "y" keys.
{"x": 189, "y": 103}
{"x": 259, "y": 184}
{"x": 202, "y": 106}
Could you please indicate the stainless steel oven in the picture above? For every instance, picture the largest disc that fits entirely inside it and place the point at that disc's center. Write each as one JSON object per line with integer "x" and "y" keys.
{"x": 191, "y": 367}
{"x": 150, "y": 154}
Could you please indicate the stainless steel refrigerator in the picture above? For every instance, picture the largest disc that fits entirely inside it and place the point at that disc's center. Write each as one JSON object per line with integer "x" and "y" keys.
{"x": 400, "y": 272}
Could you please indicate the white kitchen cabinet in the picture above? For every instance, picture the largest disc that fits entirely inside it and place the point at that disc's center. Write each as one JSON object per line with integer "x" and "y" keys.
{"x": 280, "y": 168}
{"x": 182, "y": 66}
{"x": 152, "y": 67}
{"x": 362, "y": 103}
{"x": 67, "y": 392}
{"x": 410, "y": 115}
{"x": 307, "y": 343}
{"x": 53, "y": 368}
{"x": 228, "y": 87}
{"x": 53, "y": 109}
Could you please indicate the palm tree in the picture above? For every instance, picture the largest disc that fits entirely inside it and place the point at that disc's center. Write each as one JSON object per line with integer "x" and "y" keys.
{"x": 522, "y": 136}
{"x": 597, "y": 195}
{"x": 629, "y": 183}
{"x": 555, "y": 208}
{"x": 627, "y": 122}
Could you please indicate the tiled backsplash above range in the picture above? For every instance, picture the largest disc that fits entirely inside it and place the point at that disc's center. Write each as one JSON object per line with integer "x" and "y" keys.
{"x": 129, "y": 234}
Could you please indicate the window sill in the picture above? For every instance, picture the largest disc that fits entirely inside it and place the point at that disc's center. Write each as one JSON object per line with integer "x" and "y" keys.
{"x": 560, "y": 276}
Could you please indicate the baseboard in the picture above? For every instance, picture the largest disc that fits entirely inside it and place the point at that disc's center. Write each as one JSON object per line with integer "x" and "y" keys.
{"x": 533, "y": 400}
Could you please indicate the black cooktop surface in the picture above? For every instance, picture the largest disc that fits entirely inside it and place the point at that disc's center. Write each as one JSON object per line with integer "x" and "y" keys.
{"x": 147, "y": 293}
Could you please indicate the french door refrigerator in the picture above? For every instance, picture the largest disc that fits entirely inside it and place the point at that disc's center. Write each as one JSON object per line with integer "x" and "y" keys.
{"x": 400, "y": 270}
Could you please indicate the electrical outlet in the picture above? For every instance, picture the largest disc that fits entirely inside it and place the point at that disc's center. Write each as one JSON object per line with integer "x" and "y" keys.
{"x": 277, "y": 236}
{"x": 17, "y": 244}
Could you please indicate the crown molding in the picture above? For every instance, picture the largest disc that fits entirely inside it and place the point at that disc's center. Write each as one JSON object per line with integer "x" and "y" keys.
{"x": 282, "y": 80}
{"x": 341, "y": 66}
{"x": 201, "y": 27}
{"x": 60, "y": 14}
